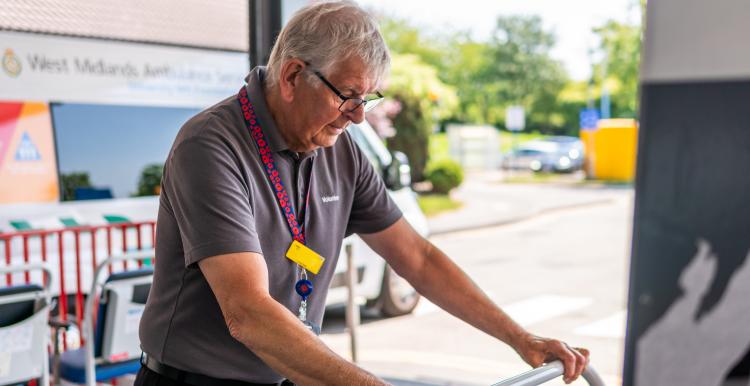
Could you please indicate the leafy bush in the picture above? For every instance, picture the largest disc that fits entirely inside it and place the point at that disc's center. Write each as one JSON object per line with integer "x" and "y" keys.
{"x": 444, "y": 175}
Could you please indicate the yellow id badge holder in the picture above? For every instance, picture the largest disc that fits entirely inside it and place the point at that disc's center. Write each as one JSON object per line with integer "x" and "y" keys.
{"x": 305, "y": 257}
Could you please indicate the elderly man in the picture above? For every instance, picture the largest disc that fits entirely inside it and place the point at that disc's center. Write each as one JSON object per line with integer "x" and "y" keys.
{"x": 246, "y": 246}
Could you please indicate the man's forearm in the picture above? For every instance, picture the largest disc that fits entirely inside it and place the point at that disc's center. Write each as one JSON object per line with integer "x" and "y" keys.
{"x": 441, "y": 281}
{"x": 280, "y": 340}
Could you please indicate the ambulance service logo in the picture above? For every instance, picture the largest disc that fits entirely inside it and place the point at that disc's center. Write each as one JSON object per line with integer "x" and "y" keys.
{"x": 11, "y": 63}
{"x": 27, "y": 150}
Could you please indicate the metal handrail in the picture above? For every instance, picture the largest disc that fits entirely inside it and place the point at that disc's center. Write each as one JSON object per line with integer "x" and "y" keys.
{"x": 88, "y": 328}
{"x": 47, "y": 297}
{"x": 549, "y": 372}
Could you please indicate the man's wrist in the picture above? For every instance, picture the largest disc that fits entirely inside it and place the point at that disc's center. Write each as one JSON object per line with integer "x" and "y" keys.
{"x": 519, "y": 339}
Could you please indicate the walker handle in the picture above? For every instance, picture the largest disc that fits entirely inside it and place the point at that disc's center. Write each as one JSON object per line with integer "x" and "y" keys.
{"x": 549, "y": 372}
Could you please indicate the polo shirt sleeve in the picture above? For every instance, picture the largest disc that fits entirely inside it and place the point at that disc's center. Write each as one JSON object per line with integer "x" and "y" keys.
{"x": 373, "y": 209}
{"x": 209, "y": 199}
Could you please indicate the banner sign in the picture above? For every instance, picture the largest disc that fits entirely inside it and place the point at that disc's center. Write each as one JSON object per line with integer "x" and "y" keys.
{"x": 77, "y": 70}
{"x": 28, "y": 171}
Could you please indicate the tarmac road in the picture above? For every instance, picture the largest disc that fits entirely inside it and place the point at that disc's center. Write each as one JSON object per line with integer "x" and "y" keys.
{"x": 561, "y": 273}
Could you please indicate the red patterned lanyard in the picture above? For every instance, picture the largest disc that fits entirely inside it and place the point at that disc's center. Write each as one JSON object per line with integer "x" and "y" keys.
{"x": 251, "y": 120}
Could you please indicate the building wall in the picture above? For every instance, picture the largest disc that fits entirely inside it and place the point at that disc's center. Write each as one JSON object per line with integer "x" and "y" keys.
{"x": 199, "y": 23}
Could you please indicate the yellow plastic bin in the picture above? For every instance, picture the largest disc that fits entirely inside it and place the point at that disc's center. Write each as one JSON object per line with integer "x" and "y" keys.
{"x": 611, "y": 149}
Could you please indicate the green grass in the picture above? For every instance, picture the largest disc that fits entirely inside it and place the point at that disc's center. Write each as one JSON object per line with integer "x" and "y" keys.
{"x": 524, "y": 177}
{"x": 432, "y": 204}
{"x": 527, "y": 178}
{"x": 438, "y": 145}
{"x": 607, "y": 183}
{"x": 507, "y": 139}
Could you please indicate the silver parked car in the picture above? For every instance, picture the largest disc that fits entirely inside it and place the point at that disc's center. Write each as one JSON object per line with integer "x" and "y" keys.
{"x": 559, "y": 154}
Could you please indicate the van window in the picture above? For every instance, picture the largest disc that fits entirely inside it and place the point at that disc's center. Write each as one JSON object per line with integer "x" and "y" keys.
{"x": 366, "y": 147}
{"x": 113, "y": 145}
{"x": 371, "y": 144}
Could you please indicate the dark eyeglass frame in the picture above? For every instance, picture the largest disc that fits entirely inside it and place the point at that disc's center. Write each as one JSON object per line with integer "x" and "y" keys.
{"x": 367, "y": 104}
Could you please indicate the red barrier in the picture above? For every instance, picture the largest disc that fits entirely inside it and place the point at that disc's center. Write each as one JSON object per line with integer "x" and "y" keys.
{"x": 73, "y": 263}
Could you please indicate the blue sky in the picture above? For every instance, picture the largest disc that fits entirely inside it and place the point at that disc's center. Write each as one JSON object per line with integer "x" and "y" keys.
{"x": 571, "y": 20}
{"x": 114, "y": 143}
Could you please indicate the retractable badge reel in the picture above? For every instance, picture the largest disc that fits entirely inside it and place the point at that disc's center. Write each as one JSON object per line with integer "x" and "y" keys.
{"x": 306, "y": 260}
{"x": 304, "y": 288}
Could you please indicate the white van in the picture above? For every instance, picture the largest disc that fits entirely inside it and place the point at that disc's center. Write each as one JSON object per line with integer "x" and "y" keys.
{"x": 379, "y": 285}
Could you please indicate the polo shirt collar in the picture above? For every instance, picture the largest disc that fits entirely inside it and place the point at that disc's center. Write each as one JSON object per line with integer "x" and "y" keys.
{"x": 276, "y": 142}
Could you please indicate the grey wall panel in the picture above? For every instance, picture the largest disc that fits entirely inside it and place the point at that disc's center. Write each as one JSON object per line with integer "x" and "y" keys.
{"x": 689, "y": 296}
{"x": 694, "y": 40}
{"x": 689, "y": 313}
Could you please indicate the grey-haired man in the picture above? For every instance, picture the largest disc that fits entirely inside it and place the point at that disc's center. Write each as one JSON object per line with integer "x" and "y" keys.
{"x": 239, "y": 286}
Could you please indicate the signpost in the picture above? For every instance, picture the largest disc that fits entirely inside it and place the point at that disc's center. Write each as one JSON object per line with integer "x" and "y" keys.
{"x": 515, "y": 121}
{"x": 515, "y": 118}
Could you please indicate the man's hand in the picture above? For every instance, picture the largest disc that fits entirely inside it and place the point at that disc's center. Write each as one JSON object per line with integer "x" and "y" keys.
{"x": 537, "y": 350}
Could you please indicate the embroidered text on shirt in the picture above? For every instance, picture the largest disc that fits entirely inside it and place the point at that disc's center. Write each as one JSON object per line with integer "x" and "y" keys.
{"x": 330, "y": 198}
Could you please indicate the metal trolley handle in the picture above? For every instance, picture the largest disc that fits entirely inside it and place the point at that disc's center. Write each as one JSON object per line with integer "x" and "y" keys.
{"x": 27, "y": 267}
{"x": 549, "y": 372}
{"x": 88, "y": 324}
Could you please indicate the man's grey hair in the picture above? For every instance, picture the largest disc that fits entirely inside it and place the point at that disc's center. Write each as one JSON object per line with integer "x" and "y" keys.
{"x": 327, "y": 33}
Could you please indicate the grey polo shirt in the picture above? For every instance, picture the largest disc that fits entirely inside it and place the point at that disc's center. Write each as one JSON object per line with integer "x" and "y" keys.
{"x": 216, "y": 199}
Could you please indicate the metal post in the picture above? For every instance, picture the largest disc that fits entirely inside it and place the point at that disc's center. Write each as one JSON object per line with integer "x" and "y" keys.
{"x": 265, "y": 25}
{"x": 352, "y": 309}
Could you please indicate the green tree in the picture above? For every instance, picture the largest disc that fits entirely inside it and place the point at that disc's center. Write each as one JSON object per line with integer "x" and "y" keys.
{"x": 455, "y": 57}
{"x": 150, "y": 182}
{"x": 513, "y": 68}
{"x": 465, "y": 68}
{"x": 620, "y": 47}
{"x": 425, "y": 100}
{"x": 403, "y": 38}
{"x": 572, "y": 98}
{"x": 71, "y": 181}
{"x": 522, "y": 72}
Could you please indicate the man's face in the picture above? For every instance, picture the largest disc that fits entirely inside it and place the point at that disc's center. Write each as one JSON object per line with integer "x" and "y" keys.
{"x": 321, "y": 122}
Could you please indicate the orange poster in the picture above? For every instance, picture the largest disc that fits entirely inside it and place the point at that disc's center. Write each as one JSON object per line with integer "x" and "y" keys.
{"x": 28, "y": 170}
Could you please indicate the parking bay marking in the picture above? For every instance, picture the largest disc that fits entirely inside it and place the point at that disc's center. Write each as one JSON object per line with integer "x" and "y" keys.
{"x": 609, "y": 327}
{"x": 527, "y": 311}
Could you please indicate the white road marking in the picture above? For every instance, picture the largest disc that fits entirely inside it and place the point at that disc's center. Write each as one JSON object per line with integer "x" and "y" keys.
{"x": 527, "y": 311}
{"x": 610, "y": 327}
{"x": 463, "y": 364}
{"x": 543, "y": 307}
{"x": 468, "y": 364}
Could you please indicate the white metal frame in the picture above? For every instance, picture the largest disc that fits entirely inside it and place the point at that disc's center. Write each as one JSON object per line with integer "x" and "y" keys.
{"x": 88, "y": 327}
{"x": 47, "y": 297}
{"x": 549, "y": 372}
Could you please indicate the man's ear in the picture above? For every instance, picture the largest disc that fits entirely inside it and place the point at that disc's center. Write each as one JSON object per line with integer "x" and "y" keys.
{"x": 290, "y": 78}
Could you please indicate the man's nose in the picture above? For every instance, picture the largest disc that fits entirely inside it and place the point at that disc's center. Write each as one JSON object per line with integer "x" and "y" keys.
{"x": 357, "y": 115}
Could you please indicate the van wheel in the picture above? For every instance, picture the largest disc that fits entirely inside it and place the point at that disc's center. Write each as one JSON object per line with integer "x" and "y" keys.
{"x": 397, "y": 296}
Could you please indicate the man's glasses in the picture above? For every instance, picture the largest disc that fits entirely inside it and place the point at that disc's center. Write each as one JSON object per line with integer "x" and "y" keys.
{"x": 350, "y": 104}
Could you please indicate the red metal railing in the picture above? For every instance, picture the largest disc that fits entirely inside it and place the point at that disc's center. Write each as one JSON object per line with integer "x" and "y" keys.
{"x": 75, "y": 264}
